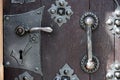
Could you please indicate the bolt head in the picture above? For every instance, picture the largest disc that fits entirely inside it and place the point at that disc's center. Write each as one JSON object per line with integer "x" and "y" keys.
{"x": 109, "y": 76}
{"x": 8, "y": 63}
{"x": 59, "y": 20}
{"x": 117, "y": 30}
{"x": 66, "y": 71}
{"x": 36, "y": 68}
{"x": 117, "y": 12}
{"x": 109, "y": 22}
{"x": 89, "y": 21}
{"x": 68, "y": 13}
{"x": 117, "y": 66}
{"x": 117, "y": 22}
{"x": 52, "y": 11}
{"x": 61, "y": 3}
{"x": 117, "y": 74}
{"x": 25, "y": 78}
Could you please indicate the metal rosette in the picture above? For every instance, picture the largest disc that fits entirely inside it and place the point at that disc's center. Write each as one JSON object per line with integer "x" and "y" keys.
{"x": 89, "y": 14}
{"x": 60, "y": 12}
{"x": 113, "y": 22}
{"x": 114, "y": 72}
{"x": 84, "y": 63}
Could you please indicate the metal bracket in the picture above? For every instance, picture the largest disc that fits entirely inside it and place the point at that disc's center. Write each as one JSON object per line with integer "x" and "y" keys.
{"x": 22, "y": 1}
{"x": 60, "y": 12}
{"x": 114, "y": 21}
{"x": 66, "y": 73}
{"x": 23, "y": 52}
{"x": 24, "y": 76}
{"x": 114, "y": 72}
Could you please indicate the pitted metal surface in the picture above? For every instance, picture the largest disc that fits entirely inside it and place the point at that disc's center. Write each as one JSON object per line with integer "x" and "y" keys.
{"x": 23, "y": 52}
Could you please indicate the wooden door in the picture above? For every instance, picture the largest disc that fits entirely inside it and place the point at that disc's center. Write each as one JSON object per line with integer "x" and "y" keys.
{"x": 68, "y": 44}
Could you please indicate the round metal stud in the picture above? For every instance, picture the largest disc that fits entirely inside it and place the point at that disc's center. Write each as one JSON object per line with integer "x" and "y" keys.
{"x": 117, "y": 12}
{"x": 68, "y": 13}
{"x": 61, "y": 3}
{"x": 109, "y": 22}
{"x": 52, "y": 11}
{"x": 109, "y": 76}
{"x": 25, "y": 78}
{"x": 59, "y": 20}
{"x": 84, "y": 64}
{"x": 117, "y": 66}
{"x": 36, "y": 69}
{"x": 87, "y": 19}
{"x": 66, "y": 72}
{"x": 7, "y": 63}
{"x": 117, "y": 74}
{"x": 117, "y": 22}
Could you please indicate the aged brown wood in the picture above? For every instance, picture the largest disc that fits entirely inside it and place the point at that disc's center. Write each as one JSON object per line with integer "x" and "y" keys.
{"x": 103, "y": 40}
{"x": 67, "y": 44}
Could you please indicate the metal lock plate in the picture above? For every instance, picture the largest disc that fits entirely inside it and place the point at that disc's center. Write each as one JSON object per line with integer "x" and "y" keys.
{"x": 114, "y": 72}
{"x": 60, "y": 12}
{"x": 23, "y": 52}
{"x": 113, "y": 21}
{"x": 66, "y": 73}
{"x": 24, "y": 76}
{"x": 22, "y": 1}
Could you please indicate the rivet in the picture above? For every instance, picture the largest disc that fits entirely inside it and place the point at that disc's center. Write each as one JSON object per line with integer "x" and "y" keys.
{"x": 59, "y": 20}
{"x": 38, "y": 12}
{"x": 7, "y": 18}
{"x": 109, "y": 76}
{"x": 36, "y": 68}
{"x": 117, "y": 12}
{"x": 66, "y": 72}
{"x": 61, "y": 3}
{"x": 68, "y": 13}
{"x": 117, "y": 66}
{"x": 25, "y": 78}
{"x": 7, "y": 63}
{"x": 52, "y": 11}
{"x": 117, "y": 22}
{"x": 109, "y": 22}
{"x": 117, "y": 74}
{"x": 33, "y": 38}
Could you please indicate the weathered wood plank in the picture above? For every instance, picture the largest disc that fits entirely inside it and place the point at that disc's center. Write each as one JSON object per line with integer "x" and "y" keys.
{"x": 67, "y": 44}
{"x": 103, "y": 40}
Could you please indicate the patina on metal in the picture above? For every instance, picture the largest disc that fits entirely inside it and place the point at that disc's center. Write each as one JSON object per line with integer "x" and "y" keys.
{"x": 60, "y": 12}
{"x": 22, "y": 1}
{"x": 89, "y": 22}
{"x": 113, "y": 21}
{"x": 23, "y": 52}
{"x": 66, "y": 73}
{"x": 114, "y": 72}
{"x": 24, "y": 76}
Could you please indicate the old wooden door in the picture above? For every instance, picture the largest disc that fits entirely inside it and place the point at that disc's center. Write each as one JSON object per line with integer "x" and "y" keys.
{"x": 68, "y": 44}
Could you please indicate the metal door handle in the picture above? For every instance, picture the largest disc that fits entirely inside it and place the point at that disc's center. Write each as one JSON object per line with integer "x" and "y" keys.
{"x": 20, "y": 30}
{"x": 89, "y": 22}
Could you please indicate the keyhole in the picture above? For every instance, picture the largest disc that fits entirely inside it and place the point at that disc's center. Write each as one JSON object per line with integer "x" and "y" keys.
{"x": 21, "y": 52}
